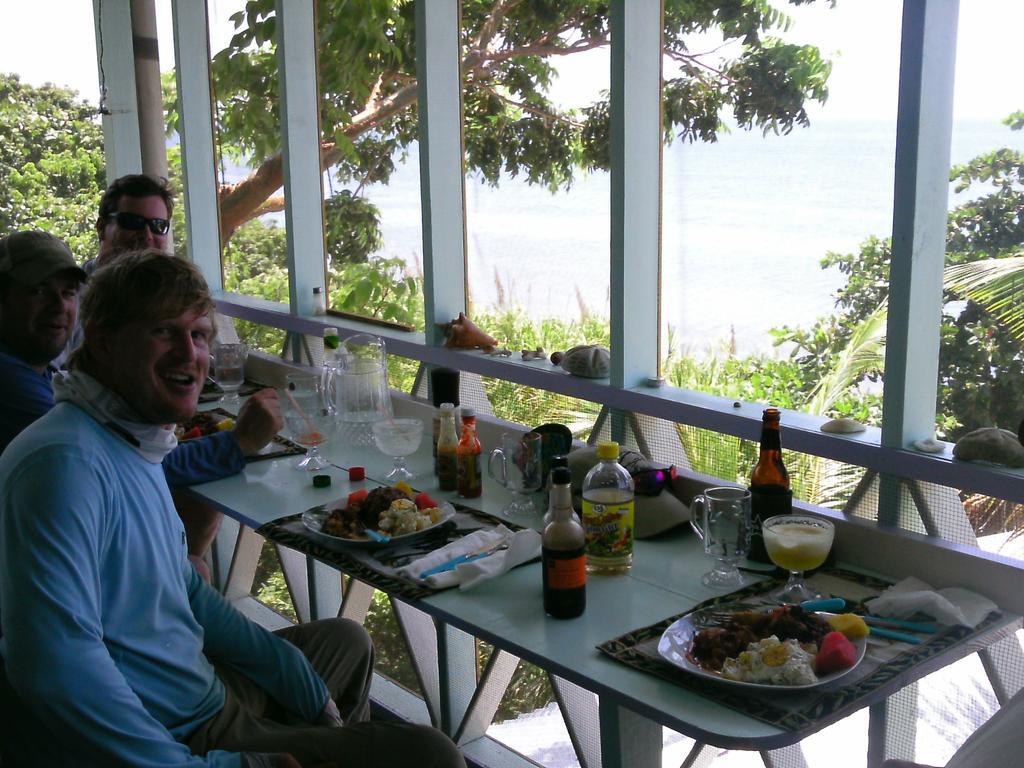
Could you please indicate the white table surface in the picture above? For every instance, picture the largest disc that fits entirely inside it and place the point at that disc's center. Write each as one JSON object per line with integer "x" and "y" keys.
{"x": 507, "y": 611}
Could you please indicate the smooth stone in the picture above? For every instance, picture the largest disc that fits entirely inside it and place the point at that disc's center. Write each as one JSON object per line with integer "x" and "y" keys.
{"x": 842, "y": 426}
{"x": 930, "y": 445}
{"x": 998, "y": 446}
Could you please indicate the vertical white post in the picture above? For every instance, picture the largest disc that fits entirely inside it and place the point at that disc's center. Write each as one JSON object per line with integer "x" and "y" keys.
{"x": 198, "y": 159}
{"x": 116, "y": 59}
{"x": 636, "y": 28}
{"x": 442, "y": 191}
{"x": 923, "y": 135}
{"x": 300, "y": 129}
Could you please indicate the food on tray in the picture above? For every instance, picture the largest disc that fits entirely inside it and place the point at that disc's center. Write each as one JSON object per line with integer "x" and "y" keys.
{"x": 390, "y": 510}
{"x": 782, "y": 646}
{"x": 836, "y": 653}
{"x": 404, "y": 517}
{"x": 203, "y": 424}
{"x": 850, "y": 624}
{"x": 773, "y": 662}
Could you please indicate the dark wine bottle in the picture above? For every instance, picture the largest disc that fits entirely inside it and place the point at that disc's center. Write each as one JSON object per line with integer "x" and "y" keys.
{"x": 770, "y": 494}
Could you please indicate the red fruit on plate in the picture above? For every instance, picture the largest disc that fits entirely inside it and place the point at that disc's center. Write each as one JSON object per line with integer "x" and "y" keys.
{"x": 356, "y": 496}
{"x": 423, "y": 501}
{"x": 192, "y": 434}
{"x": 837, "y": 653}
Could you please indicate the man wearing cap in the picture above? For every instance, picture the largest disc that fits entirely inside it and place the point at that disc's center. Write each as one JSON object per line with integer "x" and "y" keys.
{"x": 39, "y": 283}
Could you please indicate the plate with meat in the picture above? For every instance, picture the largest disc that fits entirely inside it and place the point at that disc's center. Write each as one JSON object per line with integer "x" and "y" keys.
{"x": 782, "y": 648}
{"x": 214, "y": 420}
{"x": 378, "y": 517}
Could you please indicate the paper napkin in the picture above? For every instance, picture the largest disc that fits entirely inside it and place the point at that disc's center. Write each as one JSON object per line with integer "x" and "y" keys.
{"x": 522, "y": 546}
{"x": 951, "y": 605}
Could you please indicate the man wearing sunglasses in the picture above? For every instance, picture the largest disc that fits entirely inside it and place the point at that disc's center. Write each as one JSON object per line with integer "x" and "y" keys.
{"x": 135, "y": 213}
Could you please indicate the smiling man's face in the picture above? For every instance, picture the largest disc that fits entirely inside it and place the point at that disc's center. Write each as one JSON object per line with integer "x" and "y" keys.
{"x": 36, "y": 320}
{"x": 158, "y": 366}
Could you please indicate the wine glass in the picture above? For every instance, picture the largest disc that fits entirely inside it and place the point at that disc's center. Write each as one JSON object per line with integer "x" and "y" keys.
{"x": 721, "y": 519}
{"x": 229, "y": 369}
{"x": 398, "y": 438}
{"x": 797, "y": 543}
{"x": 308, "y": 417}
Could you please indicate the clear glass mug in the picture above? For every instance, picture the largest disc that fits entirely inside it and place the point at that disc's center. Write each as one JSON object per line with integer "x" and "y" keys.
{"x": 721, "y": 519}
{"x": 517, "y": 464}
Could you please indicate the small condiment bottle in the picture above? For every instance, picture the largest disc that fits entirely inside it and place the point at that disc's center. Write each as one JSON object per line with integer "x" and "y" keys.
{"x": 470, "y": 477}
{"x": 563, "y": 551}
{"x": 319, "y": 302}
{"x": 447, "y": 450}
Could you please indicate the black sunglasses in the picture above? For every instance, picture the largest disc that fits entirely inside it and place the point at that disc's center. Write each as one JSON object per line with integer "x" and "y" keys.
{"x": 651, "y": 482}
{"x": 135, "y": 222}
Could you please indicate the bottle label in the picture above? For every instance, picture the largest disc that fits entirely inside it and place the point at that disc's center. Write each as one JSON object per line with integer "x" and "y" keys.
{"x": 565, "y": 570}
{"x": 609, "y": 528}
{"x": 447, "y": 471}
{"x": 470, "y": 478}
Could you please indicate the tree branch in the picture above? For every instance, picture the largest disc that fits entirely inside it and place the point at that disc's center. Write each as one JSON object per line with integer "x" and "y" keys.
{"x": 530, "y": 108}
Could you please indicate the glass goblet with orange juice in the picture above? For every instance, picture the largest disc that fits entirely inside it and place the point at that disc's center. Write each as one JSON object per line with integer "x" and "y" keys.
{"x": 309, "y": 418}
{"x": 797, "y": 543}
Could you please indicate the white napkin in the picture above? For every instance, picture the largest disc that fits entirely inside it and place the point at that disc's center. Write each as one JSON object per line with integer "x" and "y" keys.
{"x": 522, "y": 546}
{"x": 951, "y": 605}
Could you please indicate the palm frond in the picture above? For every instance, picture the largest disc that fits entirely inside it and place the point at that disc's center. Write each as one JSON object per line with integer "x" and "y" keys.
{"x": 997, "y": 285}
{"x": 863, "y": 354}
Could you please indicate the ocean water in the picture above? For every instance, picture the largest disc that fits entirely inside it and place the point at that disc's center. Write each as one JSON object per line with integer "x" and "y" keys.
{"x": 745, "y": 224}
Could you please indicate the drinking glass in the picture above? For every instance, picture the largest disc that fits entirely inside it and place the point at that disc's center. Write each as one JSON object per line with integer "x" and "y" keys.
{"x": 229, "y": 369}
{"x": 721, "y": 519}
{"x": 519, "y": 462}
{"x": 309, "y": 417}
{"x": 398, "y": 438}
{"x": 797, "y": 543}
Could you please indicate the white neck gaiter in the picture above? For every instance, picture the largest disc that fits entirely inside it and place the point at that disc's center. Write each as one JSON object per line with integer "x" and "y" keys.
{"x": 151, "y": 441}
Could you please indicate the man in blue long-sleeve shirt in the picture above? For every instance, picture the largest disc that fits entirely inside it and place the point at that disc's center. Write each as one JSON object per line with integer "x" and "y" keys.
{"x": 114, "y": 652}
{"x": 39, "y": 284}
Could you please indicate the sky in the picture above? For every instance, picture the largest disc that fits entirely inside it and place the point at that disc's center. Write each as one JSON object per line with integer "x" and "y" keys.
{"x": 861, "y": 36}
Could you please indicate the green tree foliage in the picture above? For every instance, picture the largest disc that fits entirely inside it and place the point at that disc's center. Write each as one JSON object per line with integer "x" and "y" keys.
{"x": 981, "y": 365}
{"x": 368, "y": 85}
{"x": 51, "y": 163}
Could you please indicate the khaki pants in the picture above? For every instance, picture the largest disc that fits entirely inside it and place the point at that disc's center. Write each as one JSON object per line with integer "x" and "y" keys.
{"x": 342, "y": 654}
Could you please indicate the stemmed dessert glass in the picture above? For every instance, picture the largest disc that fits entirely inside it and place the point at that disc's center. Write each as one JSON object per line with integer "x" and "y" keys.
{"x": 229, "y": 369}
{"x": 797, "y": 543}
{"x": 398, "y": 438}
{"x": 309, "y": 417}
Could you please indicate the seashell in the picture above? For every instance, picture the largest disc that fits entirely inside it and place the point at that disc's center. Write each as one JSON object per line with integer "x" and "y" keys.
{"x": 556, "y": 358}
{"x": 998, "y": 446}
{"x": 589, "y": 361}
{"x": 463, "y": 333}
{"x": 929, "y": 445}
{"x": 842, "y": 426}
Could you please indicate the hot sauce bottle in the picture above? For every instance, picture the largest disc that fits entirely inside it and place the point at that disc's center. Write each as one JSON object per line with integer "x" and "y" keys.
{"x": 470, "y": 482}
{"x": 563, "y": 552}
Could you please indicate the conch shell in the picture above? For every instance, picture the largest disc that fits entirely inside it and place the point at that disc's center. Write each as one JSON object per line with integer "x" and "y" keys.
{"x": 589, "y": 360}
{"x": 462, "y": 333}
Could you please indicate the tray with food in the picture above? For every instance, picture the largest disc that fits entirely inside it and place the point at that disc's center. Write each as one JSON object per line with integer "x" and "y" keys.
{"x": 780, "y": 648}
{"x": 381, "y": 516}
{"x": 215, "y": 420}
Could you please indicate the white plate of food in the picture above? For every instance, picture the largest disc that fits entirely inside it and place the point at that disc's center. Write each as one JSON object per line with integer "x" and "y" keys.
{"x": 780, "y": 659}
{"x": 389, "y": 514}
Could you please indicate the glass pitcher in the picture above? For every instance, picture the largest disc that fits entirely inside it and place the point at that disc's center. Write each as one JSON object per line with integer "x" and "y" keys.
{"x": 360, "y": 388}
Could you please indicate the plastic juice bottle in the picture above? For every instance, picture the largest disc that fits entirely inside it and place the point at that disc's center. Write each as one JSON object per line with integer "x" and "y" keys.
{"x": 608, "y": 513}
{"x": 447, "y": 450}
{"x": 563, "y": 553}
{"x": 470, "y": 478}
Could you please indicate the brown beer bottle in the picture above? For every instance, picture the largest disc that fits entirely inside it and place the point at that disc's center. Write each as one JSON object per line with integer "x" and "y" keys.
{"x": 769, "y": 484}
